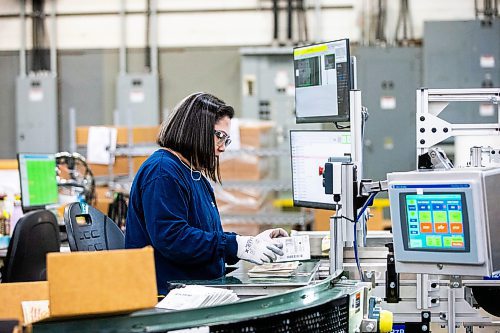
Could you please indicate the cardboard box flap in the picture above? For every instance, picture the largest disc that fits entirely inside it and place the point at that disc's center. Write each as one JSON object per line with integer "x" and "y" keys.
{"x": 83, "y": 283}
{"x": 12, "y": 294}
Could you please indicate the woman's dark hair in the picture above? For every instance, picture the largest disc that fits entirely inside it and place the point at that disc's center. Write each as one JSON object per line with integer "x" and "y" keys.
{"x": 190, "y": 131}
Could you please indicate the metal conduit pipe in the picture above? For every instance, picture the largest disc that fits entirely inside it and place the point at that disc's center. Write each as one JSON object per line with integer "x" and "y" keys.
{"x": 290, "y": 19}
{"x": 184, "y": 11}
{"x": 275, "y": 20}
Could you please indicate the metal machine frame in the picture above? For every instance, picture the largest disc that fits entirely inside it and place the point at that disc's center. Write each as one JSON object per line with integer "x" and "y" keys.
{"x": 340, "y": 223}
{"x": 432, "y": 130}
{"x": 444, "y": 297}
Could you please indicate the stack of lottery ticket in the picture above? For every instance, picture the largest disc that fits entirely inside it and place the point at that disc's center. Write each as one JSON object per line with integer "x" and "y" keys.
{"x": 282, "y": 269}
{"x": 294, "y": 248}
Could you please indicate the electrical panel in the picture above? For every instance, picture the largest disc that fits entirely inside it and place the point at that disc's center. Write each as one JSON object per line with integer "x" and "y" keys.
{"x": 470, "y": 58}
{"x": 138, "y": 100}
{"x": 36, "y": 114}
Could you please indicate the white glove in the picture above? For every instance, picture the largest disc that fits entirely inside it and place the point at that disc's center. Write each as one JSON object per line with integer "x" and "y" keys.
{"x": 257, "y": 250}
{"x": 272, "y": 233}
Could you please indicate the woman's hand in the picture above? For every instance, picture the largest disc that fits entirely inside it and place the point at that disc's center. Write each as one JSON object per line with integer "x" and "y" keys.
{"x": 273, "y": 233}
{"x": 258, "y": 250}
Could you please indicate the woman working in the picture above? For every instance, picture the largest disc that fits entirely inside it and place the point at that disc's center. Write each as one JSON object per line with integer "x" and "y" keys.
{"x": 172, "y": 205}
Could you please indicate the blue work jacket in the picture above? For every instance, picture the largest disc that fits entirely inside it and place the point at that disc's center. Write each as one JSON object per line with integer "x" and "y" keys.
{"x": 173, "y": 209}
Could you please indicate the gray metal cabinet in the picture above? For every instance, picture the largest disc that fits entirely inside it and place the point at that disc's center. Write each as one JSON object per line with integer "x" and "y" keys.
{"x": 463, "y": 54}
{"x": 388, "y": 79}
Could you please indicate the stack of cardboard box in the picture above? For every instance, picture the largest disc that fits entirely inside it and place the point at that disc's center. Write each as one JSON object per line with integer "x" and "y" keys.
{"x": 140, "y": 136}
{"x": 245, "y": 165}
{"x": 253, "y": 135}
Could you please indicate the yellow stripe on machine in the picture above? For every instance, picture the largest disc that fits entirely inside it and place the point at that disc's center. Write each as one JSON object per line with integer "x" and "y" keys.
{"x": 288, "y": 202}
{"x": 380, "y": 203}
{"x": 282, "y": 203}
{"x": 309, "y": 50}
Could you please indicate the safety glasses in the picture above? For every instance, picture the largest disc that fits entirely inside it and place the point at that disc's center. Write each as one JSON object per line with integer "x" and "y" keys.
{"x": 222, "y": 138}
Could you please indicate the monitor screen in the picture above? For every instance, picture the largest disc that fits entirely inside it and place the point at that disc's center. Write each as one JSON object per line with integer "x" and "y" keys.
{"x": 38, "y": 180}
{"x": 310, "y": 150}
{"x": 322, "y": 82}
{"x": 435, "y": 222}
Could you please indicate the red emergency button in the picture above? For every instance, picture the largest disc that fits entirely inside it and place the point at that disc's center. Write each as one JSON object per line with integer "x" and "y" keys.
{"x": 320, "y": 171}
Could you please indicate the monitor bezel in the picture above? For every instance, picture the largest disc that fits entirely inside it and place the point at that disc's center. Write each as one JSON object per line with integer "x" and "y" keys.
{"x": 30, "y": 208}
{"x": 309, "y": 204}
{"x": 405, "y": 227}
{"x": 330, "y": 118}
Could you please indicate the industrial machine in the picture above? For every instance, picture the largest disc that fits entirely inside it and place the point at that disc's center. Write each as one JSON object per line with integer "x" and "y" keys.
{"x": 327, "y": 165}
{"x": 443, "y": 234}
{"x": 444, "y": 221}
{"x": 443, "y": 218}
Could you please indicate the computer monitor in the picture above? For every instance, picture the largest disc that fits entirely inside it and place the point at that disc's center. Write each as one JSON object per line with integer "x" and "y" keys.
{"x": 310, "y": 150}
{"x": 436, "y": 221}
{"x": 322, "y": 82}
{"x": 444, "y": 221}
{"x": 38, "y": 180}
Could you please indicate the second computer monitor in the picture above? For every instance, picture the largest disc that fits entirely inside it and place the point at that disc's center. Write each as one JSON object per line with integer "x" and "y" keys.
{"x": 38, "y": 181}
{"x": 322, "y": 82}
{"x": 310, "y": 151}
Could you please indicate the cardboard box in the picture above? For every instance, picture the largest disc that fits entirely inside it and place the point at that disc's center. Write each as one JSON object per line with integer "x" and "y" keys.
{"x": 322, "y": 219}
{"x": 12, "y": 294}
{"x": 256, "y": 133}
{"x": 82, "y": 283}
{"x": 250, "y": 228}
{"x": 104, "y": 198}
{"x": 244, "y": 167}
{"x": 244, "y": 229}
{"x": 120, "y": 168}
{"x": 88, "y": 283}
{"x": 8, "y": 164}
{"x": 143, "y": 134}
{"x": 241, "y": 201}
{"x": 377, "y": 221}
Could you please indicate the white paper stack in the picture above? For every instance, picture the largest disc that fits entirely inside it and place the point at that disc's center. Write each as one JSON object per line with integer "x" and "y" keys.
{"x": 193, "y": 296}
{"x": 35, "y": 310}
{"x": 294, "y": 248}
{"x": 101, "y": 144}
{"x": 274, "y": 270}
